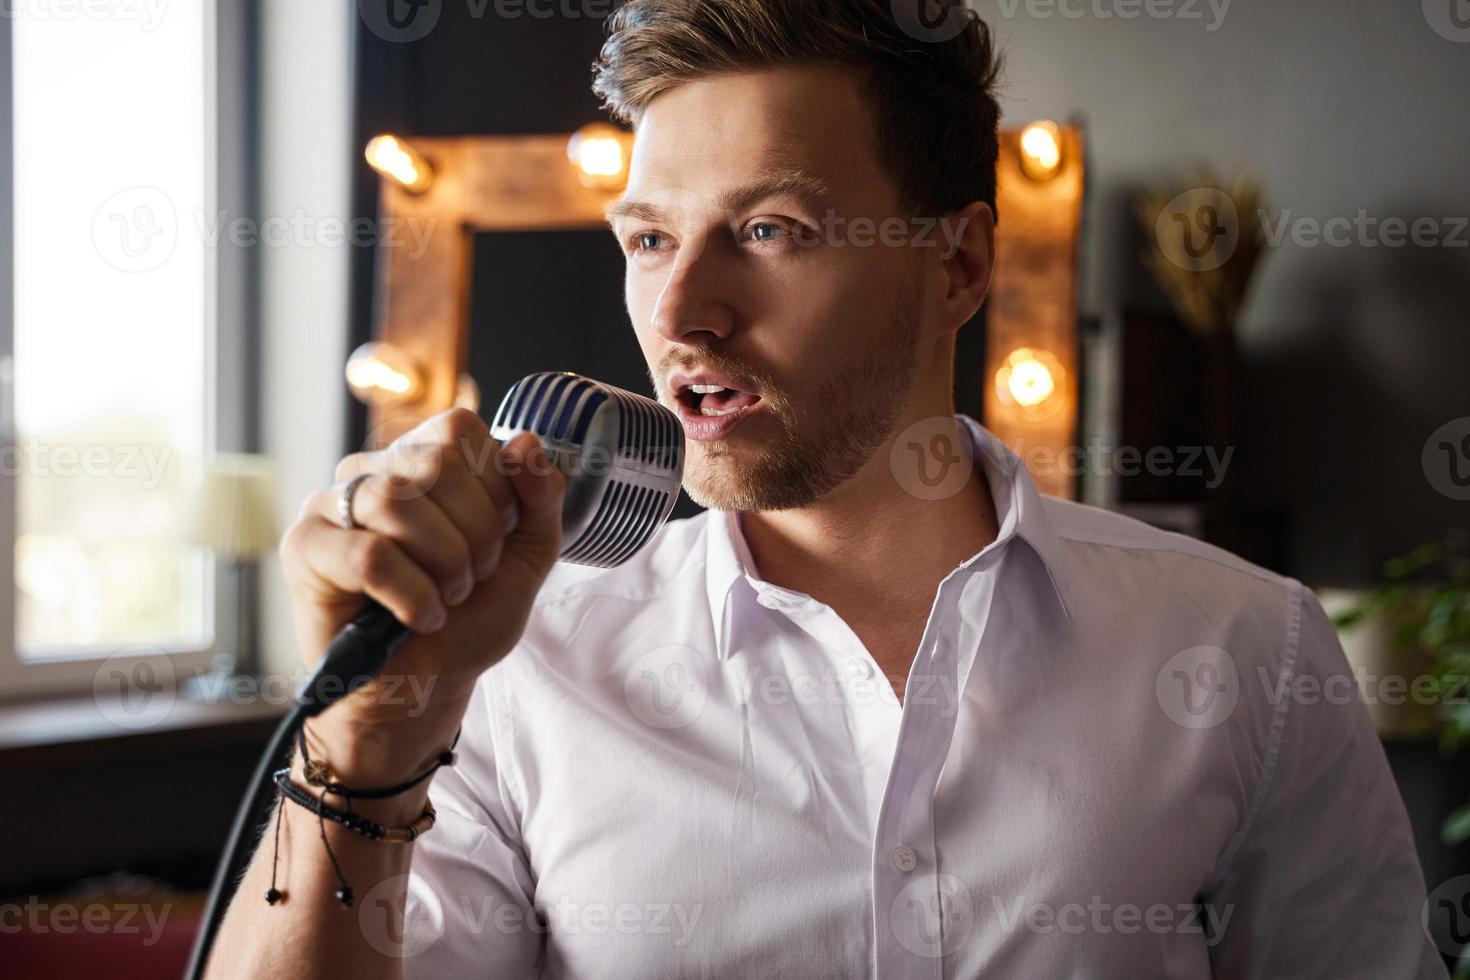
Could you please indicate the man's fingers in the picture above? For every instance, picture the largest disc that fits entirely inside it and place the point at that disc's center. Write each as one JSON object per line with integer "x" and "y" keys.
{"x": 416, "y": 523}
{"x": 539, "y": 487}
{"x": 367, "y": 563}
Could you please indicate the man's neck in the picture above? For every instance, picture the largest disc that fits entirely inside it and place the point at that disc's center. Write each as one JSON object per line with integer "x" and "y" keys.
{"x": 871, "y": 550}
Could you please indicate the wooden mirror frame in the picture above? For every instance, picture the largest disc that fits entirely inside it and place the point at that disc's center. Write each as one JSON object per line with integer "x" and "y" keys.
{"x": 528, "y": 183}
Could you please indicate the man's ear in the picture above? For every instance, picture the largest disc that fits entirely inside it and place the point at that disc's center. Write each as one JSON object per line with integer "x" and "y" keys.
{"x": 966, "y": 243}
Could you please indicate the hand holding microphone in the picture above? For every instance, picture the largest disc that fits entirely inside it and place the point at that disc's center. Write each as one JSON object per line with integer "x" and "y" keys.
{"x": 457, "y": 528}
{"x": 416, "y": 573}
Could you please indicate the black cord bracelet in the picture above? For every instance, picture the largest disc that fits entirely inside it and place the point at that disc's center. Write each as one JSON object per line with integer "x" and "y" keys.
{"x": 317, "y": 774}
{"x": 370, "y": 829}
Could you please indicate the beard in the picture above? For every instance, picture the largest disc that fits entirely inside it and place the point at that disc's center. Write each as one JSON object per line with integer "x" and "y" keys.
{"x": 825, "y": 437}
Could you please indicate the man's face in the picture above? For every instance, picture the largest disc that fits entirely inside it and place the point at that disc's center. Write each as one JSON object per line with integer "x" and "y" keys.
{"x": 783, "y": 336}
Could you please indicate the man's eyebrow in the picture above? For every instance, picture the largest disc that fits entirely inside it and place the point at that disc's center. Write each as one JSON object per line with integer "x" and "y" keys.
{"x": 809, "y": 190}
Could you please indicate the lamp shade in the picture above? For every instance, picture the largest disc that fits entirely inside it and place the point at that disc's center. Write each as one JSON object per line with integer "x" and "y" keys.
{"x": 235, "y": 515}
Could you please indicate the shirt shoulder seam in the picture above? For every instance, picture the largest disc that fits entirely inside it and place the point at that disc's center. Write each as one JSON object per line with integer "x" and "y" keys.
{"x": 1237, "y": 565}
{"x": 1276, "y": 735}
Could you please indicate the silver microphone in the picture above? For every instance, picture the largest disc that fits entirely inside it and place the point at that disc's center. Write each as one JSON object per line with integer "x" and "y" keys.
{"x": 623, "y": 456}
{"x": 622, "y": 453}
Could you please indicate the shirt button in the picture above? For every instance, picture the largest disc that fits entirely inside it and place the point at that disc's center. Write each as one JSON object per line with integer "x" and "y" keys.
{"x": 904, "y": 858}
{"x": 860, "y": 668}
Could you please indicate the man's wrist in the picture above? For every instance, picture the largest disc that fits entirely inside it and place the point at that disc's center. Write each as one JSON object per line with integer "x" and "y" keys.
{"x": 381, "y": 753}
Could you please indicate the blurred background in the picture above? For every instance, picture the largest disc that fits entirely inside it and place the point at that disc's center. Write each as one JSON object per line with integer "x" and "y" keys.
{"x": 244, "y": 238}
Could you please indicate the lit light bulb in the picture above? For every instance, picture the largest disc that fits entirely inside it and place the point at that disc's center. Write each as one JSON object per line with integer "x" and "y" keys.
{"x": 1041, "y": 150}
{"x": 398, "y": 161}
{"x": 380, "y": 374}
{"x": 600, "y": 154}
{"x": 1028, "y": 377}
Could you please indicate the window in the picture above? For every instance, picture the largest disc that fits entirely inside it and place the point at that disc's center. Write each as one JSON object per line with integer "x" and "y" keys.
{"x": 110, "y": 363}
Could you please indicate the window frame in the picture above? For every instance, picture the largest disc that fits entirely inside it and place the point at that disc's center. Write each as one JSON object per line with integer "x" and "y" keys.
{"x": 230, "y": 348}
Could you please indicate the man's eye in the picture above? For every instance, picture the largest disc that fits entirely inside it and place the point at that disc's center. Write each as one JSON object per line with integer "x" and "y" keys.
{"x": 645, "y": 241}
{"x": 766, "y": 231}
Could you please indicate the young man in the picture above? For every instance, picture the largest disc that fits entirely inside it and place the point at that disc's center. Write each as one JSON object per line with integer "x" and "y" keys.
{"x": 841, "y": 725}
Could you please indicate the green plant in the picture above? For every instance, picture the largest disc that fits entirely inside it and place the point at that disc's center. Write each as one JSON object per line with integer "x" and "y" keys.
{"x": 1426, "y": 599}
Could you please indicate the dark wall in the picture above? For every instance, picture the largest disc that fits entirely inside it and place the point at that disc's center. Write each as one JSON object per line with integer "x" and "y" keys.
{"x": 1353, "y": 355}
{"x": 540, "y": 301}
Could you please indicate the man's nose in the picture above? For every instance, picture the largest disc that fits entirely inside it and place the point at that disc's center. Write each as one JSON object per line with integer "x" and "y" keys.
{"x": 695, "y": 306}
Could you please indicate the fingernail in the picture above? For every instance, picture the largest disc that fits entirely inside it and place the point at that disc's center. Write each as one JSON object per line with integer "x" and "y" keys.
{"x": 512, "y": 518}
{"x": 460, "y": 591}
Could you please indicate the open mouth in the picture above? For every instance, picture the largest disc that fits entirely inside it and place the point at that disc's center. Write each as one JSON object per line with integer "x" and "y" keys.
{"x": 715, "y": 401}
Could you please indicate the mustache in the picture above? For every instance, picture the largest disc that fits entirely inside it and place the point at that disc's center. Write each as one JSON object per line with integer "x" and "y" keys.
{"x": 746, "y": 376}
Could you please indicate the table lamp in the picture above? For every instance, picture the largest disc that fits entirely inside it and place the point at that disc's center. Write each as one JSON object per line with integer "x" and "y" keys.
{"x": 235, "y": 518}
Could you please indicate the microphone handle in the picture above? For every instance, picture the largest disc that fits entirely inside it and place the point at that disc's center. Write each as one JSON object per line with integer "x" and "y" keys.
{"x": 356, "y": 655}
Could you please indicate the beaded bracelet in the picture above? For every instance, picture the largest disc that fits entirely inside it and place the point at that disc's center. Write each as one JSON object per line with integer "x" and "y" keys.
{"x": 370, "y": 829}
{"x": 361, "y": 825}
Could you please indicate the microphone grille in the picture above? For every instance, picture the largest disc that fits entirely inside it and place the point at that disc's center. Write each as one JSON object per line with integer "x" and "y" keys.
{"x": 623, "y": 455}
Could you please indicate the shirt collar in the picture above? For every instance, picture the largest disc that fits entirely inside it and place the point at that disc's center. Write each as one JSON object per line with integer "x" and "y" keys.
{"x": 1019, "y": 512}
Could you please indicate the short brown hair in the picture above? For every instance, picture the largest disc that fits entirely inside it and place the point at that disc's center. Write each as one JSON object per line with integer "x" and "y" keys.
{"x": 933, "y": 102}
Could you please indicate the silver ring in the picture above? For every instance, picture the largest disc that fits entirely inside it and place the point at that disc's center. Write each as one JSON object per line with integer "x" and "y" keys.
{"x": 344, "y": 502}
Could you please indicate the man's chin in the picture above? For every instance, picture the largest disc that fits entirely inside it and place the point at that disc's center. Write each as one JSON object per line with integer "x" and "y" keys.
{"x": 720, "y": 477}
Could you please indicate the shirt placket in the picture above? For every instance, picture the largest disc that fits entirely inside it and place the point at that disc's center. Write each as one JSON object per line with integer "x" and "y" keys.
{"x": 866, "y": 697}
{"x": 915, "y": 908}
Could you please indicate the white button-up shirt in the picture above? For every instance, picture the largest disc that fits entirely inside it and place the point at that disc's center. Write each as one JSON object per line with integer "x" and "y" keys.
{"x": 1121, "y": 753}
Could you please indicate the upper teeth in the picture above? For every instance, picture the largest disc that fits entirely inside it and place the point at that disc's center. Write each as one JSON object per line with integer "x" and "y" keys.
{"x": 706, "y": 389}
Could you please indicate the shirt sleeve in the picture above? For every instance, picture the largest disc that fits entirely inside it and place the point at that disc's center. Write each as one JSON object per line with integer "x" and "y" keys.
{"x": 470, "y": 909}
{"x": 1323, "y": 879}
